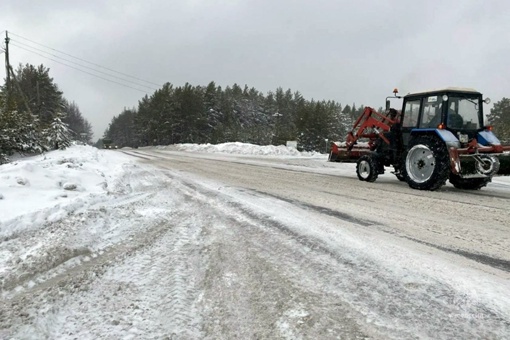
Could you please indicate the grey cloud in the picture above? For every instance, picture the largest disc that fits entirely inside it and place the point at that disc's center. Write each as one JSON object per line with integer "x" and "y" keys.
{"x": 342, "y": 50}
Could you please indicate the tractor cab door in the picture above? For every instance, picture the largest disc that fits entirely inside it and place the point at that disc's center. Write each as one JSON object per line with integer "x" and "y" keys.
{"x": 432, "y": 112}
{"x": 410, "y": 117}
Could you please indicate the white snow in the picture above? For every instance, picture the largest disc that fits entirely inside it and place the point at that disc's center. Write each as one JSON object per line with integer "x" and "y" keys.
{"x": 80, "y": 187}
{"x": 47, "y": 186}
{"x": 246, "y": 149}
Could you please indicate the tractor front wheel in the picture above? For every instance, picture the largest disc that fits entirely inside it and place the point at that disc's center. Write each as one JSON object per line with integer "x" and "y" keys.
{"x": 427, "y": 163}
{"x": 367, "y": 169}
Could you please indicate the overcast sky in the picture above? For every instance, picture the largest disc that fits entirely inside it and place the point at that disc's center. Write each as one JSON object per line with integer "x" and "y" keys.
{"x": 348, "y": 51}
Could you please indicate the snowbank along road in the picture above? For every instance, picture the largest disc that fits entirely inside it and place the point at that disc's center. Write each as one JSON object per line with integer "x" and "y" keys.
{"x": 195, "y": 245}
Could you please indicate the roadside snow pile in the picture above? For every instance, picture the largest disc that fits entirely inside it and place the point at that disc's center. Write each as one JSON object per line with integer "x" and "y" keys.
{"x": 55, "y": 180}
{"x": 245, "y": 149}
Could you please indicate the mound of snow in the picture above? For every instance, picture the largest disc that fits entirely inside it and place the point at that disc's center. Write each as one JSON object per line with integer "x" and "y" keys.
{"x": 56, "y": 178}
{"x": 245, "y": 149}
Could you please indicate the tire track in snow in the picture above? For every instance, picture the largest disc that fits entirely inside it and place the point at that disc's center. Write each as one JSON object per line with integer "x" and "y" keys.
{"x": 25, "y": 299}
{"x": 25, "y": 310}
{"x": 254, "y": 267}
{"x": 36, "y": 252}
{"x": 382, "y": 297}
{"x": 481, "y": 258}
{"x": 160, "y": 280}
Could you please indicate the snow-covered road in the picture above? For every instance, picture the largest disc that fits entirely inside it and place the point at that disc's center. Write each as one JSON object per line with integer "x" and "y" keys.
{"x": 201, "y": 245}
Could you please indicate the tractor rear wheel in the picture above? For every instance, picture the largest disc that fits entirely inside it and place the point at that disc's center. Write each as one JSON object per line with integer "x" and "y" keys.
{"x": 367, "y": 168}
{"x": 469, "y": 183}
{"x": 427, "y": 163}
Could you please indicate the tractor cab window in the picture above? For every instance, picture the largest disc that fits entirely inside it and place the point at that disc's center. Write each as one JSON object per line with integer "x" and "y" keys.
{"x": 431, "y": 116}
{"x": 463, "y": 113}
{"x": 411, "y": 112}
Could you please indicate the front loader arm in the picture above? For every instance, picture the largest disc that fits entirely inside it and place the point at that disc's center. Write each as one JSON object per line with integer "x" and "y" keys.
{"x": 371, "y": 120}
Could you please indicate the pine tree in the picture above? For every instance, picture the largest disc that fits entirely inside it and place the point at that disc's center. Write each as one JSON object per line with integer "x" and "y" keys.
{"x": 213, "y": 113}
{"x": 229, "y": 119}
{"x": 121, "y": 130}
{"x": 58, "y": 135}
{"x": 44, "y": 98}
{"x": 19, "y": 133}
{"x": 190, "y": 113}
{"x": 347, "y": 110}
{"x": 81, "y": 129}
{"x": 500, "y": 119}
{"x": 33, "y": 118}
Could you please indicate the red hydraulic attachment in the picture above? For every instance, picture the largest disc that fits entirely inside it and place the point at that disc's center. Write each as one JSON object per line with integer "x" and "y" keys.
{"x": 371, "y": 124}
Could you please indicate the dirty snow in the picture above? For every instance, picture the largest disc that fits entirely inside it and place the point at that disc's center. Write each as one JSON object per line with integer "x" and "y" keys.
{"x": 101, "y": 244}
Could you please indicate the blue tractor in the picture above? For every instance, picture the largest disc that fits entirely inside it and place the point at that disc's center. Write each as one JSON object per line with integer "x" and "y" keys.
{"x": 438, "y": 135}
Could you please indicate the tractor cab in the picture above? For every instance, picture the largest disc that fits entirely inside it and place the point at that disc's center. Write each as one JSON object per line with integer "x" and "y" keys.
{"x": 458, "y": 110}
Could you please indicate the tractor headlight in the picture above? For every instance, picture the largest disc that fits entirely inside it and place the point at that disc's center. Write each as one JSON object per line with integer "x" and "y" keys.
{"x": 463, "y": 138}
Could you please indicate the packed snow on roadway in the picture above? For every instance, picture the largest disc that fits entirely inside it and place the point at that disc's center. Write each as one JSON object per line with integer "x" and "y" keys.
{"x": 98, "y": 244}
{"x": 44, "y": 188}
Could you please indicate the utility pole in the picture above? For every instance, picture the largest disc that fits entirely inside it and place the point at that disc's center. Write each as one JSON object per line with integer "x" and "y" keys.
{"x": 9, "y": 72}
{"x": 7, "y": 69}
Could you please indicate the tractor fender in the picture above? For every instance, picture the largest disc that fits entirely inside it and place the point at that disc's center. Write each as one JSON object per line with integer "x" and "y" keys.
{"x": 446, "y": 136}
{"x": 451, "y": 141}
{"x": 487, "y": 138}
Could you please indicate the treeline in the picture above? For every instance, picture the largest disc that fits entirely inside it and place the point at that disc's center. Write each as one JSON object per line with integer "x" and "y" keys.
{"x": 500, "y": 119}
{"x": 211, "y": 114}
{"x": 35, "y": 116}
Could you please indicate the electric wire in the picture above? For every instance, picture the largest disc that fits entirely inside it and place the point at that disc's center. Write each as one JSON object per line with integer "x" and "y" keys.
{"x": 92, "y": 74}
{"x": 83, "y": 60}
{"x": 16, "y": 43}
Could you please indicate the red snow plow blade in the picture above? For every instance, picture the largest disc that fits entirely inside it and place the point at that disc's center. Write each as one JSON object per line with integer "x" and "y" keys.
{"x": 340, "y": 152}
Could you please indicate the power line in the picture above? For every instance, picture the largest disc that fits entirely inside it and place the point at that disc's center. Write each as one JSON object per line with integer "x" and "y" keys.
{"x": 75, "y": 63}
{"x": 95, "y": 75}
{"x": 88, "y": 62}
{"x": 87, "y": 67}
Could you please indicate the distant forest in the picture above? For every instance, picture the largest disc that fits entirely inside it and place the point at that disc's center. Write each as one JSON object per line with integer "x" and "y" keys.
{"x": 36, "y": 117}
{"x": 211, "y": 114}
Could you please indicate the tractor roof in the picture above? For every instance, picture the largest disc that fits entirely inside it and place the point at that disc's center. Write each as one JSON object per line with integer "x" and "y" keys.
{"x": 443, "y": 90}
